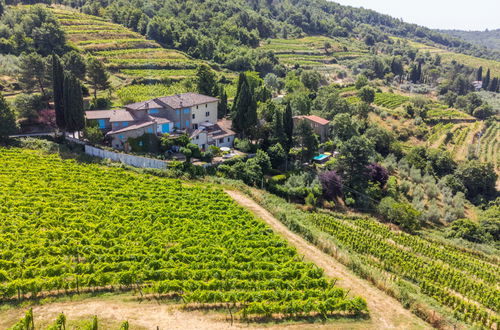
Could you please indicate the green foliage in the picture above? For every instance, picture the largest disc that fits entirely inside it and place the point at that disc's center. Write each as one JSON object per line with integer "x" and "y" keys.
{"x": 74, "y": 117}
{"x": 361, "y": 81}
{"x": 468, "y": 230}
{"x": 93, "y": 134}
{"x": 97, "y": 75}
{"x": 180, "y": 234}
{"x": 27, "y": 106}
{"x": 244, "y": 108}
{"x": 206, "y": 81}
{"x": 479, "y": 180}
{"x": 7, "y": 119}
{"x": 400, "y": 213}
{"x": 367, "y": 94}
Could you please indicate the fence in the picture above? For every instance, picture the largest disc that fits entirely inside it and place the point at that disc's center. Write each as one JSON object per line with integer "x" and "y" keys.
{"x": 136, "y": 161}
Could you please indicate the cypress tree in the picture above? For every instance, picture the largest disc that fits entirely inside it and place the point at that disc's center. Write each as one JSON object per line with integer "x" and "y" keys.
{"x": 57, "y": 85}
{"x": 7, "y": 119}
{"x": 222, "y": 107}
{"x": 242, "y": 77}
{"x": 288, "y": 127}
{"x": 494, "y": 85}
{"x": 73, "y": 103}
{"x": 279, "y": 131}
{"x": 479, "y": 76}
{"x": 486, "y": 80}
{"x": 245, "y": 109}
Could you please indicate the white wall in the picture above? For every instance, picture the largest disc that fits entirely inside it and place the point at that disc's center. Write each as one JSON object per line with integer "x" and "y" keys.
{"x": 136, "y": 161}
{"x": 200, "y": 113}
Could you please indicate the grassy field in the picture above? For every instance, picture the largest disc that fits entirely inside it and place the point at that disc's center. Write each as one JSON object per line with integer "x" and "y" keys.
{"x": 72, "y": 227}
{"x": 127, "y": 54}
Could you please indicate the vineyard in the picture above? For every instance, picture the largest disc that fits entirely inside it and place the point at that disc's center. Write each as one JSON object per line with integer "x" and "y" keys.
{"x": 310, "y": 52}
{"x": 71, "y": 227}
{"x": 462, "y": 281}
{"x": 489, "y": 150}
{"x": 126, "y": 53}
{"x": 390, "y": 100}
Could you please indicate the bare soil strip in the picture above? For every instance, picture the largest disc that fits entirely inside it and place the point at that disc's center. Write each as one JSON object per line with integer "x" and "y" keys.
{"x": 385, "y": 311}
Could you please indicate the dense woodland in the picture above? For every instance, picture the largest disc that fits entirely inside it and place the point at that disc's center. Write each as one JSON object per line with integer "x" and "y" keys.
{"x": 487, "y": 38}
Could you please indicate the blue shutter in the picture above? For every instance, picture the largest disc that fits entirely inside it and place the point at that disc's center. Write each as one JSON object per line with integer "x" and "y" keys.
{"x": 187, "y": 123}
{"x": 150, "y": 130}
{"x": 165, "y": 128}
{"x": 186, "y": 110}
{"x": 102, "y": 123}
{"x": 125, "y": 124}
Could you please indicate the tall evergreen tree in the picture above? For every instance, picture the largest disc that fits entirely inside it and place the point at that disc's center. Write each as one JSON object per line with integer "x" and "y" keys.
{"x": 222, "y": 107}
{"x": 2, "y": 7}
{"x": 242, "y": 77}
{"x": 57, "y": 86}
{"x": 7, "y": 119}
{"x": 206, "y": 81}
{"x": 288, "y": 127}
{"x": 245, "y": 108}
{"x": 97, "y": 75}
{"x": 73, "y": 103}
{"x": 479, "y": 75}
{"x": 493, "y": 85}
{"x": 486, "y": 80}
{"x": 278, "y": 129}
{"x": 308, "y": 141}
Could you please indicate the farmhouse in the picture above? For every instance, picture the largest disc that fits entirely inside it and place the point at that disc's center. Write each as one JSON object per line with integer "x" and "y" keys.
{"x": 320, "y": 125}
{"x": 188, "y": 113}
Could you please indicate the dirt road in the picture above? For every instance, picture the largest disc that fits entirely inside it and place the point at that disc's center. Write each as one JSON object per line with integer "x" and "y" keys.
{"x": 385, "y": 311}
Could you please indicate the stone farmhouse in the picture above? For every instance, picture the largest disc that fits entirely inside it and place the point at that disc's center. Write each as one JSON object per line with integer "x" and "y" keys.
{"x": 188, "y": 113}
{"x": 320, "y": 126}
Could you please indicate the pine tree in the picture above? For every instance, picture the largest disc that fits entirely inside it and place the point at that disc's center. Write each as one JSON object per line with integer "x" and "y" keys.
{"x": 486, "y": 80}
{"x": 479, "y": 75}
{"x": 206, "y": 81}
{"x": 222, "y": 107}
{"x": 493, "y": 85}
{"x": 288, "y": 127}
{"x": 97, "y": 75}
{"x": 7, "y": 119}
{"x": 57, "y": 85}
{"x": 73, "y": 103}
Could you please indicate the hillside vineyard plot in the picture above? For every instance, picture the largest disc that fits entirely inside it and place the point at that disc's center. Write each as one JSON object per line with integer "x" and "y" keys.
{"x": 463, "y": 281}
{"x": 68, "y": 226}
{"x": 124, "y": 52}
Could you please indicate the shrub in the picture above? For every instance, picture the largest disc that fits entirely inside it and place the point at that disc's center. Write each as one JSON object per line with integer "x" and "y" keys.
{"x": 145, "y": 143}
{"x": 100, "y": 103}
{"x": 468, "y": 230}
{"x": 27, "y": 106}
{"x": 244, "y": 145}
{"x": 93, "y": 134}
{"x": 403, "y": 214}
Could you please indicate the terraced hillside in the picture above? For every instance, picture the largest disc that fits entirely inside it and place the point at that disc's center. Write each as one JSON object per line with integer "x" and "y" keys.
{"x": 448, "y": 56}
{"x": 126, "y": 53}
{"x": 489, "y": 145}
{"x": 315, "y": 52}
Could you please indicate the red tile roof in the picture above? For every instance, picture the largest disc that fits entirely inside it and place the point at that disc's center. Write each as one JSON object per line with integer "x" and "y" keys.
{"x": 316, "y": 119}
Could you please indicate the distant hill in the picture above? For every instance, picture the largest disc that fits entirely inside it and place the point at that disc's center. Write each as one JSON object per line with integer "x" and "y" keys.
{"x": 488, "y": 38}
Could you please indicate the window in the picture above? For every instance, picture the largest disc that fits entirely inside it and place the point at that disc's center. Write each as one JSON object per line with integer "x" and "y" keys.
{"x": 125, "y": 123}
{"x": 207, "y": 114}
{"x": 186, "y": 110}
{"x": 102, "y": 123}
{"x": 194, "y": 116}
{"x": 178, "y": 112}
{"x": 197, "y": 107}
{"x": 228, "y": 139}
{"x": 150, "y": 130}
{"x": 153, "y": 111}
{"x": 195, "y": 126}
{"x": 197, "y": 137}
{"x": 178, "y": 124}
{"x": 206, "y": 105}
{"x": 187, "y": 123}
{"x": 141, "y": 144}
{"x": 221, "y": 140}
{"x": 165, "y": 128}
